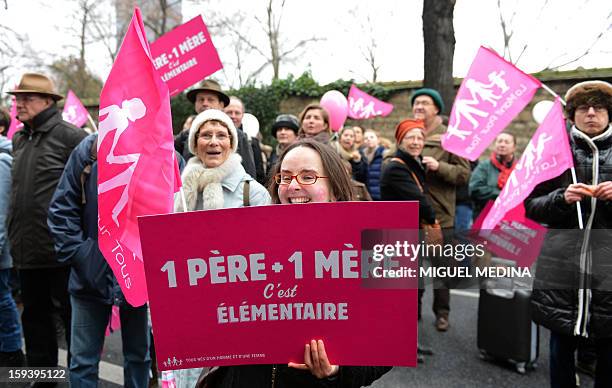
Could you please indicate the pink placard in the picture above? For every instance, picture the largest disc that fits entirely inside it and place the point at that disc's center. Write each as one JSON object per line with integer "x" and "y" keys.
{"x": 493, "y": 92}
{"x": 185, "y": 55}
{"x": 515, "y": 238}
{"x": 363, "y": 106}
{"x": 74, "y": 112}
{"x": 215, "y": 316}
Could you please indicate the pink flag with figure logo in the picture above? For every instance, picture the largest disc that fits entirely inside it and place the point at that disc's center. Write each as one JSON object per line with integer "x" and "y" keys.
{"x": 547, "y": 156}
{"x": 74, "y": 111}
{"x": 136, "y": 163}
{"x": 363, "y": 106}
{"x": 16, "y": 125}
{"x": 491, "y": 95}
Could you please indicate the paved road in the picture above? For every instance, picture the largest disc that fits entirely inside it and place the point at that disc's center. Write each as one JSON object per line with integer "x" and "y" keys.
{"x": 456, "y": 362}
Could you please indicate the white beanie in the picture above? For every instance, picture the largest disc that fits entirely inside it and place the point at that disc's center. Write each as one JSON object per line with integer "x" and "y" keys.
{"x": 207, "y": 115}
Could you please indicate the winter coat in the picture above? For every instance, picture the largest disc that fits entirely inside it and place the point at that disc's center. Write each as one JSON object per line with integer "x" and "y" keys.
{"x": 360, "y": 191}
{"x": 442, "y": 184}
{"x": 323, "y": 137}
{"x": 573, "y": 262}
{"x": 282, "y": 376}
{"x": 40, "y": 153}
{"x": 6, "y": 161}
{"x": 374, "y": 172}
{"x": 483, "y": 185}
{"x": 359, "y": 168}
{"x": 220, "y": 187}
{"x": 398, "y": 184}
{"x": 74, "y": 228}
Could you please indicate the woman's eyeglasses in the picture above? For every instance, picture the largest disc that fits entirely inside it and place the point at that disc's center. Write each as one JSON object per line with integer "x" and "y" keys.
{"x": 304, "y": 178}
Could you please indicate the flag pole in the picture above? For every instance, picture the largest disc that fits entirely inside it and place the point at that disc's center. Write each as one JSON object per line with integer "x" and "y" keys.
{"x": 93, "y": 124}
{"x": 572, "y": 169}
{"x": 549, "y": 90}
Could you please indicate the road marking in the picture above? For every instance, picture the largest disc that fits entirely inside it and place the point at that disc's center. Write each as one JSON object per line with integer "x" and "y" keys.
{"x": 469, "y": 294}
{"x": 107, "y": 372}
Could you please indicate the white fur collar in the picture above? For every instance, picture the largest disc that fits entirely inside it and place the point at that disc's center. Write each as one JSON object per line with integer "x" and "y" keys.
{"x": 199, "y": 179}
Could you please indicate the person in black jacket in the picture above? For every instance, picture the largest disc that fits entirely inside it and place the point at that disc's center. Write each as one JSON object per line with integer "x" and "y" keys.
{"x": 285, "y": 129}
{"x": 572, "y": 294}
{"x": 40, "y": 151}
{"x": 404, "y": 176}
{"x": 403, "y": 179}
{"x": 235, "y": 110}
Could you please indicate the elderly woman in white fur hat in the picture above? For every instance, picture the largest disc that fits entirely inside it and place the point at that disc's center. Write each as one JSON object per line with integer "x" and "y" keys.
{"x": 214, "y": 177}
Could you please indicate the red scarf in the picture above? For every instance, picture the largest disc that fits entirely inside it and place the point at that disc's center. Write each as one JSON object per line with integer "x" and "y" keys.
{"x": 504, "y": 169}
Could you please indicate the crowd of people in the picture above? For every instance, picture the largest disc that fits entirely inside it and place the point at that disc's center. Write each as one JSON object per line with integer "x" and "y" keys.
{"x": 49, "y": 230}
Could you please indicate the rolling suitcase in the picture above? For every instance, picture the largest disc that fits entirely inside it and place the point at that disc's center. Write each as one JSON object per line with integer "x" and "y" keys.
{"x": 505, "y": 329}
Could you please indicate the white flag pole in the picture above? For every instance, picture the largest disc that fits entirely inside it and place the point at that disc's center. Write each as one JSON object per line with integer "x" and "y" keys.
{"x": 572, "y": 169}
{"x": 93, "y": 124}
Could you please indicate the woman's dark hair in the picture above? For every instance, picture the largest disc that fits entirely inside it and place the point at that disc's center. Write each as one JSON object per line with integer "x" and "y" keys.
{"x": 339, "y": 180}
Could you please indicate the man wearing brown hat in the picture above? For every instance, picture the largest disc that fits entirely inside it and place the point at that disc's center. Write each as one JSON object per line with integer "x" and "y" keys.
{"x": 572, "y": 291}
{"x": 40, "y": 151}
{"x": 210, "y": 96}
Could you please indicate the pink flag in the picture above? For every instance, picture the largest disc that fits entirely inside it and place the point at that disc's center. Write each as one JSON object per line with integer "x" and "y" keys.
{"x": 547, "y": 156}
{"x": 136, "y": 172}
{"x": 363, "y": 106}
{"x": 16, "y": 125}
{"x": 490, "y": 96}
{"x": 114, "y": 323}
{"x": 74, "y": 111}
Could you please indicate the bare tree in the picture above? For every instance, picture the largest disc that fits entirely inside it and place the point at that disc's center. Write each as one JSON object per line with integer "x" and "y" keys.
{"x": 586, "y": 52}
{"x": 368, "y": 44}
{"x": 278, "y": 51}
{"x": 439, "y": 42}
{"x": 15, "y": 55}
{"x": 508, "y": 28}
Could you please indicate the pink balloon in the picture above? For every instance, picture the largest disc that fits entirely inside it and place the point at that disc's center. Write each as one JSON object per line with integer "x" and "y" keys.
{"x": 336, "y": 105}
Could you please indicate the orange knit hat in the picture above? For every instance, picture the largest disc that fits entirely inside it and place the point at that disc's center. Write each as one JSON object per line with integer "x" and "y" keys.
{"x": 406, "y": 126}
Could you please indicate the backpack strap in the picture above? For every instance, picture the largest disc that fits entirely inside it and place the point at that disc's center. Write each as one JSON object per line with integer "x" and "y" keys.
{"x": 93, "y": 156}
{"x": 246, "y": 197}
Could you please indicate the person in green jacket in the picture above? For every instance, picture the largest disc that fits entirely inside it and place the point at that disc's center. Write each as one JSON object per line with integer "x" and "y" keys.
{"x": 491, "y": 175}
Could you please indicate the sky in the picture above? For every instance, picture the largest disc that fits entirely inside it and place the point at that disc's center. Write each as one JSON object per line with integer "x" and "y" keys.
{"x": 553, "y": 32}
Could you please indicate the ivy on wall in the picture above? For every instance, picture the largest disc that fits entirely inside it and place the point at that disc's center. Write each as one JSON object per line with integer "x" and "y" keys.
{"x": 264, "y": 101}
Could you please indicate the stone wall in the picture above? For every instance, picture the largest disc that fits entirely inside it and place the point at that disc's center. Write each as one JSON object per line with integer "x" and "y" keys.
{"x": 523, "y": 126}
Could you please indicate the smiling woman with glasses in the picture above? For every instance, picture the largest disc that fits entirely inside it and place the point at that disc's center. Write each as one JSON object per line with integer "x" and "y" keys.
{"x": 309, "y": 171}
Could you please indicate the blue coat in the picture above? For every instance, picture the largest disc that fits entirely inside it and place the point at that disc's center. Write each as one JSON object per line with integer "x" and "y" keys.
{"x": 6, "y": 161}
{"x": 74, "y": 228}
{"x": 374, "y": 173}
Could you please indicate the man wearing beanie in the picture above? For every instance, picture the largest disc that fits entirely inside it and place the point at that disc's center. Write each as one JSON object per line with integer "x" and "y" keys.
{"x": 572, "y": 293}
{"x": 444, "y": 173}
